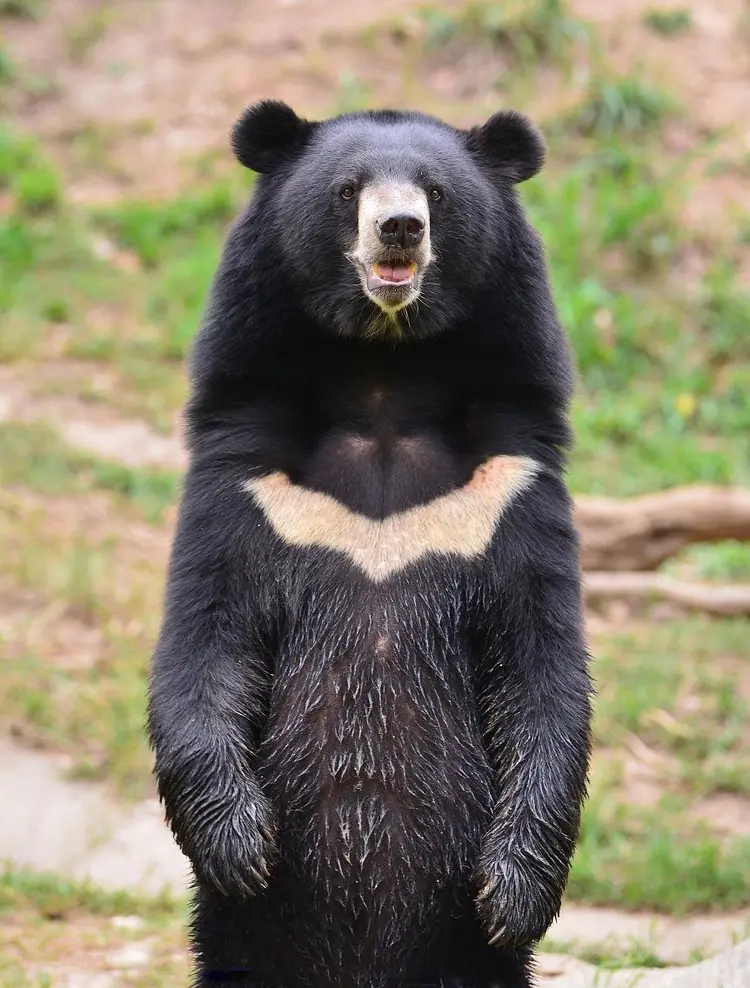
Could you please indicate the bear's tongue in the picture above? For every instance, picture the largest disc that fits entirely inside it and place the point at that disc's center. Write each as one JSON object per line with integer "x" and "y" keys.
{"x": 394, "y": 272}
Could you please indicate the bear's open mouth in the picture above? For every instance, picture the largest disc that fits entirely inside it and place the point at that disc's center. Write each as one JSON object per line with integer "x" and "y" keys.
{"x": 391, "y": 274}
{"x": 388, "y": 275}
{"x": 392, "y": 282}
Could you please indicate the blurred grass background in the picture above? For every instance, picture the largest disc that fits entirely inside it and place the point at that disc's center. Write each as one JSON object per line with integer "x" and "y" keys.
{"x": 116, "y": 188}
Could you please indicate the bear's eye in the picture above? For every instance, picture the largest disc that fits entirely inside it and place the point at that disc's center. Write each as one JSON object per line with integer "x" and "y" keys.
{"x": 436, "y": 194}
{"x": 347, "y": 192}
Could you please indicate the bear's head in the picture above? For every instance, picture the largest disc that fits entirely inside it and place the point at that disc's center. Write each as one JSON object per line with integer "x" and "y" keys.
{"x": 387, "y": 222}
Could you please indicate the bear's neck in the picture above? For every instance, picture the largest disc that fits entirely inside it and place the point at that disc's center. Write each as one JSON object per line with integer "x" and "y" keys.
{"x": 380, "y": 429}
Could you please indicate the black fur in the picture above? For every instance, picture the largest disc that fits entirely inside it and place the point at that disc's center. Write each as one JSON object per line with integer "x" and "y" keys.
{"x": 349, "y": 763}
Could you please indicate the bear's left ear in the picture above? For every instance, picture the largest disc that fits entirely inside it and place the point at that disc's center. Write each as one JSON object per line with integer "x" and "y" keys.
{"x": 511, "y": 143}
{"x": 267, "y": 134}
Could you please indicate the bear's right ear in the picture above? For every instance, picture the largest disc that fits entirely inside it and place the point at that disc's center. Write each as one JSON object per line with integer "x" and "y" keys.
{"x": 510, "y": 143}
{"x": 267, "y": 134}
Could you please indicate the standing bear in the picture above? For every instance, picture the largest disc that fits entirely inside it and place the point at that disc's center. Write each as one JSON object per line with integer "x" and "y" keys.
{"x": 370, "y": 700}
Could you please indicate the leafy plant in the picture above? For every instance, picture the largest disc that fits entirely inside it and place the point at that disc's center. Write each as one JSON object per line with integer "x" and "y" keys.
{"x": 28, "y": 9}
{"x": 668, "y": 22}
{"x": 625, "y": 106}
{"x": 526, "y": 31}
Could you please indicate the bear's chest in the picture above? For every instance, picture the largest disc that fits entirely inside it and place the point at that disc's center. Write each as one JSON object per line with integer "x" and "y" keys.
{"x": 383, "y": 438}
{"x": 458, "y": 523}
{"x": 389, "y": 465}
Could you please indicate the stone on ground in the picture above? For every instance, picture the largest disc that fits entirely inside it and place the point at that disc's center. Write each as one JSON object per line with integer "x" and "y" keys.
{"x": 730, "y": 969}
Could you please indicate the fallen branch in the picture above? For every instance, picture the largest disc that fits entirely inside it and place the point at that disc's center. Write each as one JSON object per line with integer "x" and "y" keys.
{"x": 640, "y": 533}
{"x": 644, "y": 588}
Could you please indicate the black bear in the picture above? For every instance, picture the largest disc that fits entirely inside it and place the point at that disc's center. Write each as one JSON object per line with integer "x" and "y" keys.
{"x": 370, "y": 699}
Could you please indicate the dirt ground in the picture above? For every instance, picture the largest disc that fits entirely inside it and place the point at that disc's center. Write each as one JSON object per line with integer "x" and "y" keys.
{"x": 165, "y": 79}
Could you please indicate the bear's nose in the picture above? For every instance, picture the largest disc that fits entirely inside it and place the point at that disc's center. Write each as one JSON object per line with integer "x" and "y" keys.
{"x": 403, "y": 230}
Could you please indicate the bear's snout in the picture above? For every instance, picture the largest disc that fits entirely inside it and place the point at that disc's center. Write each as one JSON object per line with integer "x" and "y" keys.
{"x": 392, "y": 250}
{"x": 402, "y": 230}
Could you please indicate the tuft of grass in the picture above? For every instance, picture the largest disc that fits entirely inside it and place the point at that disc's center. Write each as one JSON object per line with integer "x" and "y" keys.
{"x": 724, "y": 316}
{"x": 723, "y": 562}
{"x": 683, "y": 705}
{"x": 63, "y": 929}
{"x": 526, "y": 31}
{"x": 147, "y": 227}
{"x": 26, "y": 9}
{"x": 17, "y": 154}
{"x": 83, "y": 34}
{"x": 656, "y": 858}
{"x": 353, "y": 94}
{"x": 606, "y": 956}
{"x": 92, "y": 703}
{"x": 636, "y": 954}
{"x": 670, "y": 22}
{"x": 8, "y": 69}
{"x": 626, "y": 106}
{"x": 36, "y": 190}
{"x": 34, "y": 455}
{"x": 53, "y": 897}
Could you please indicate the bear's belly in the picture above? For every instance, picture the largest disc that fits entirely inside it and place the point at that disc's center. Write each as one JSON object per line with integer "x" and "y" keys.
{"x": 374, "y": 760}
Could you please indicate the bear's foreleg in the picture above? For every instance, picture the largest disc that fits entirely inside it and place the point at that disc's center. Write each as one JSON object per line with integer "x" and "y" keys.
{"x": 207, "y": 689}
{"x": 534, "y": 701}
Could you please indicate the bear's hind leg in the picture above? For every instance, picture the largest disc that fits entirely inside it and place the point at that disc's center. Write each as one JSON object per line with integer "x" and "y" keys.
{"x": 234, "y": 942}
{"x": 462, "y": 958}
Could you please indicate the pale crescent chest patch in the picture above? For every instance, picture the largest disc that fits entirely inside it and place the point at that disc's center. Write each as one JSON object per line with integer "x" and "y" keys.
{"x": 460, "y": 523}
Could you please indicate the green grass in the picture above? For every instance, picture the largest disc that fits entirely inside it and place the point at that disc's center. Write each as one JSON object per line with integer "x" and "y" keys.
{"x": 8, "y": 69}
{"x": 722, "y": 562}
{"x": 53, "y": 927}
{"x": 151, "y": 229}
{"x": 53, "y": 897}
{"x": 34, "y": 456}
{"x": 661, "y": 399}
{"x": 30, "y": 179}
{"x": 629, "y": 105}
{"x": 606, "y": 956}
{"x": 27, "y": 9}
{"x": 93, "y": 576}
{"x": 676, "y": 688}
{"x": 687, "y": 704}
{"x": 78, "y": 694}
{"x": 353, "y": 94}
{"x": 670, "y": 22}
{"x": 47, "y": 268}
{"x": 526, "y": 32}
{"x": 635, "y": 955}
{"x": 656, "y": 858}
{"x": 140, "y": 320}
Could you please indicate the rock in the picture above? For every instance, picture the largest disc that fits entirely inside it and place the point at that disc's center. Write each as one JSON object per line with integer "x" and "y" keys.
{"x": 85, "y": 979}
{"x": 78, "y": 829}
{"x": 132, "y": 923}
{"x": 561, "y": 971}
{"x": 132, "y": 955}
{"x": 730, "y": 969}
{"x": 673, "y": 941}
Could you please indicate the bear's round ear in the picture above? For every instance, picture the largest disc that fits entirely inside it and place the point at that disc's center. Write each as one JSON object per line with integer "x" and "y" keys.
{"x": 267, "y": 134}
{"x": 511, "y": 143}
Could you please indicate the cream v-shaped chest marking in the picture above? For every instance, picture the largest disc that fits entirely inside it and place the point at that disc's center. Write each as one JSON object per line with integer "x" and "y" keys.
{"x": 460, "y": 523}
